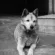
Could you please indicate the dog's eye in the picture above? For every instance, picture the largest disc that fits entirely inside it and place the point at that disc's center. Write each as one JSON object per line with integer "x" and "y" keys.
{"x": 28, "y": 20}
{"x": 34, "y": 21}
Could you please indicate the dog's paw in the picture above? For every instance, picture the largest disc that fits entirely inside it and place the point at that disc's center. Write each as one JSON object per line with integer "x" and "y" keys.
{"x": 30, "y": 53}
{"x": 22, "y": 53}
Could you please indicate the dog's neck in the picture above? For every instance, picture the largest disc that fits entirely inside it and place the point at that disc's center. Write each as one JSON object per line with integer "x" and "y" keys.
{"x": 29, "y": 33}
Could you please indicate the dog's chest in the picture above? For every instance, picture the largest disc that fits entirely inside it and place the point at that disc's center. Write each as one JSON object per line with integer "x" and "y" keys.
{"x": 29, "y": 33}
{"x": 30, "y": 41}
{"x": 29, "y": 38}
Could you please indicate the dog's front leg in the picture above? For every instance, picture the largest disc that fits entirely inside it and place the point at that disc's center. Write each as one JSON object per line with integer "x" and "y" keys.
{"x": 33, "y": 46}
{"x": 30, "y": 52}
{"x": 20, "y": 47}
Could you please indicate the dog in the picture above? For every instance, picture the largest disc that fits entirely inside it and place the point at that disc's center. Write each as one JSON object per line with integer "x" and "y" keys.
{"x": 26, "y": 32}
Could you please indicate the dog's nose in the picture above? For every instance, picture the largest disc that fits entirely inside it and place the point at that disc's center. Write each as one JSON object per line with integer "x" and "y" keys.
{"x": 31, "y": 27}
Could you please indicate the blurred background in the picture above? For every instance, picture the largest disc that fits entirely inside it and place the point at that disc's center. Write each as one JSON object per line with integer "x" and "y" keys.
{"x": 17, "y": 8}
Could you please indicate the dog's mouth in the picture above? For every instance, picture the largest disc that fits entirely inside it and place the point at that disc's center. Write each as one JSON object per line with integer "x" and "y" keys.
{"x": 29, "y": 32}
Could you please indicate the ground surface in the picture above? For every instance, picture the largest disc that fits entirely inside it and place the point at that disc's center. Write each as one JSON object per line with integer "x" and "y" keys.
{"x": 8, "y": 45}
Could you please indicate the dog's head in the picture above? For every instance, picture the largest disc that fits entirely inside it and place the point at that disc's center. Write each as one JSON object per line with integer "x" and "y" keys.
{"x": 29, "y": 20}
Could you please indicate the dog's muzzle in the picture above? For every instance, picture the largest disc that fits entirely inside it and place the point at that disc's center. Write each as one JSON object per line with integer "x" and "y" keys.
{"x": 31, "y": 27}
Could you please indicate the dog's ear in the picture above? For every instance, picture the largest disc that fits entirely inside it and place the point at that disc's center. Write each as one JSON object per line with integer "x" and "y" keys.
{"x": 25, "y": 12}
{"x": 35, "y": 12}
